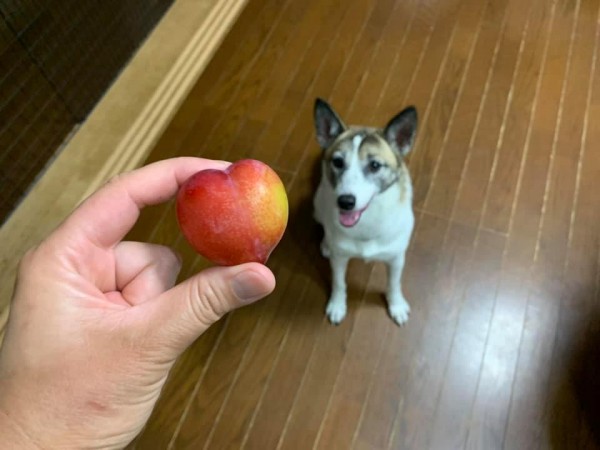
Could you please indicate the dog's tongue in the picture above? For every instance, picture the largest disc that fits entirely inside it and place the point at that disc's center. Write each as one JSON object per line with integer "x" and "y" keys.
{"x": 349, "y": 219}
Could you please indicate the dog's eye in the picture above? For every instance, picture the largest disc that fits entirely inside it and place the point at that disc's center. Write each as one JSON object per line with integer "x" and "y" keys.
{"x": 374, "y": 166}
{"x": 338, "y": 162}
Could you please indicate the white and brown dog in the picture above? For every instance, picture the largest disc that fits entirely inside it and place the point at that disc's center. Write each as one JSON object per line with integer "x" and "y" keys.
{"x": 364, "y": 201}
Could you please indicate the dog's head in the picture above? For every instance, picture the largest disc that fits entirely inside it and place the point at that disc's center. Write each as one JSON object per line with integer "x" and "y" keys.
{"x": 362, "y": 162}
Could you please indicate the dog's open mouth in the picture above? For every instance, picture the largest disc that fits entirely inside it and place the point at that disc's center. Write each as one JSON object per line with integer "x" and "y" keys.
{"x": 351, "y": 218}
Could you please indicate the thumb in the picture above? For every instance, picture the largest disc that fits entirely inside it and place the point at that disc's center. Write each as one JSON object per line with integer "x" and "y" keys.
{"x": 181, "y": 314}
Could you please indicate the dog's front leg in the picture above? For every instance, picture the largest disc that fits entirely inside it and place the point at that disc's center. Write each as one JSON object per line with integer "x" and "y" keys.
{"x": 398, "y": 307}
{"x": 336, "y": 308}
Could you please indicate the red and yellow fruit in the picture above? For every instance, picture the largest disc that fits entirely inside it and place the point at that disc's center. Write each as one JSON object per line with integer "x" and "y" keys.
{"x": 233, "y": 216}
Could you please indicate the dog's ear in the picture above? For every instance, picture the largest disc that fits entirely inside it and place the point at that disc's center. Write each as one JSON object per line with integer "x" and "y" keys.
{"x": 327, "y": 123}
{"x": 400, "y": 131}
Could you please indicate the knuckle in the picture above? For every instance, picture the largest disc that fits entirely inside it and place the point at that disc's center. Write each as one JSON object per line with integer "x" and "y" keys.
{"x": 207, "y": 302}
{"x": 28, "y": 259}
{"x": 168, "y": 257}
{"x": 114, "y": 179}
{"x": 28, "y": 256}
{"x": 119, "y": 176}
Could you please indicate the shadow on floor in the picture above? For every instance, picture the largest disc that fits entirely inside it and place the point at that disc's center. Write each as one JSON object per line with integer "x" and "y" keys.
{"x": 304, "y": 233}
{"x": 574, "y": 420}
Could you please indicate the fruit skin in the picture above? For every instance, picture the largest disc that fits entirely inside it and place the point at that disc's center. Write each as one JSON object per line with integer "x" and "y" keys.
{"x": 233, "y": 216}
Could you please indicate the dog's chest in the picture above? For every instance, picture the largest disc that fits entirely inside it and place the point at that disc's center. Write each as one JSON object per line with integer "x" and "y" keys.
{"x": 381, "y": 234}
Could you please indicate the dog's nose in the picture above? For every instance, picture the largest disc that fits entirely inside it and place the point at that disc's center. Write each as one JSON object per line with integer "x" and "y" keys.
{"x": 346, "y": 202}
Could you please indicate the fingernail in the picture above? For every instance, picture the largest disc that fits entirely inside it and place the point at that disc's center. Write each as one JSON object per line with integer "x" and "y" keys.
{"x": 249, "y": 286}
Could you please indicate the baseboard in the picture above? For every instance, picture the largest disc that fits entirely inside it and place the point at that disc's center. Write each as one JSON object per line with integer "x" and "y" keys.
{"x": 122, "y": 129}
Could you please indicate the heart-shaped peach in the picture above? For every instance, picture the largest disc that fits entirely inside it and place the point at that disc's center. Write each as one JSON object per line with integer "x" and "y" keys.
{"x": 233, "y": 216}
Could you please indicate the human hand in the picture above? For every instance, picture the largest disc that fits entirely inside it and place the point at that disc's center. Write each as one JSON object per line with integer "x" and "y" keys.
{"x": 96, "y": 324}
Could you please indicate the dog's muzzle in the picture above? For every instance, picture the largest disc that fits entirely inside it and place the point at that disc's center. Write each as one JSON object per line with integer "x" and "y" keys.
{"x": 348, "y": 215}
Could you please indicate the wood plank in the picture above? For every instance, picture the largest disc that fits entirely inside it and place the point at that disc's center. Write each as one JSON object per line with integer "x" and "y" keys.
{"x": 388, "y": 58}
{"x": 364, "y": 352}
{"x": 483, "y": 146}
{"x": 346, "y": 36}
{"x": 211, "y": 133}
{"x": 263, "y": 351}
{"x": 440, "y": 198}
{"x": 320, "y": 15}
{"x": 566, "y": 414}
{"x": 526, "y": 422}
{"x": 420, "y": 391}
{"x": 242, "y": 94}
{"x": 313, "y": 394}
{"x": 452, "y": 417}
{"x": 343, "y": 80}
{"x": 247, "y": 50}
{"x": 492, "y": 402}
{"x": 423, "y": 269}
{"x": 271, "y": 413}
{"x": 439, "y": 114}
{"x": 513, "y": 149}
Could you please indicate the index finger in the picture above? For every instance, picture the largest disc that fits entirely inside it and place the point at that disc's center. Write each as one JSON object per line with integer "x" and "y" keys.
{"x": 106, "y": 216}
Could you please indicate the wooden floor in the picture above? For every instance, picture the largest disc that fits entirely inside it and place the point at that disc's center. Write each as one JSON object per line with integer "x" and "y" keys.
{"x": 503, "y": 346}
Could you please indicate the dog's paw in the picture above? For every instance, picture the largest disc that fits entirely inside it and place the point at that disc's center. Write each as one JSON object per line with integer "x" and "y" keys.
{"x": 399, "y": 311}
{"x": 336, "y": 311}
{"x": 325, "y": 249}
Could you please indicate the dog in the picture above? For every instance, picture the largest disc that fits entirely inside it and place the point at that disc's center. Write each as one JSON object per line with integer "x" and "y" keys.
{"x": 364, "y": 201}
